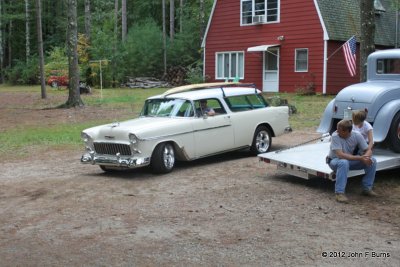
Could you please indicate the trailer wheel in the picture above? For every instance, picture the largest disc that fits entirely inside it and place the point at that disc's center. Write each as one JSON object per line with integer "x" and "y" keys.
{"x": 394, "y": 134}
{"x": 261, "y": 140}
{"x": 163, "y": 158}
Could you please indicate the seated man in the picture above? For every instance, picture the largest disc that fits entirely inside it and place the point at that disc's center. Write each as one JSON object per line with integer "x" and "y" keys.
{"x": 204, "y": 109}
{"x": 341, "y": 159}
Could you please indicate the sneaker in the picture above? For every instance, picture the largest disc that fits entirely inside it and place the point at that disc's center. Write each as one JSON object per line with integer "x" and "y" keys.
{"x": 340, "y": 197}
{"x": 369, "y": 193}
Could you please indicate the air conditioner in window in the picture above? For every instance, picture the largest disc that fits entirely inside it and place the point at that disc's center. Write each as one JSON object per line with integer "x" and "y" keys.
{"x": 258, "y": 19}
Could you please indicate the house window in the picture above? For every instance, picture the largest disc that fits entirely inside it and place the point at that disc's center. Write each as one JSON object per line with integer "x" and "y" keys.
{"x": 230, "y": 65}
{"x": 259, "y": 11}
{"x": 301, "y": 60}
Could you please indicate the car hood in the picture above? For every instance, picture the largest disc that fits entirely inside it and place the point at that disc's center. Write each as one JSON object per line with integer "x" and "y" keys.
{"x": 366, "y": 92}
{"x": 143, "y": 127}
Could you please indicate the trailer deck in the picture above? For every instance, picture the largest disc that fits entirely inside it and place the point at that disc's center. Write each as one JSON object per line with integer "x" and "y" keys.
{"x": 308, "y": 161}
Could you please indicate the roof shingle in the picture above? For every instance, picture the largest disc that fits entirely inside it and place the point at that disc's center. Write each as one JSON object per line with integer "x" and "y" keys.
{"x": 342, "y": 20}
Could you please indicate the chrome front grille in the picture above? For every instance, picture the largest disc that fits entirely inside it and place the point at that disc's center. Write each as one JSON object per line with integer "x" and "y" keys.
{"x": 112, "y": 149}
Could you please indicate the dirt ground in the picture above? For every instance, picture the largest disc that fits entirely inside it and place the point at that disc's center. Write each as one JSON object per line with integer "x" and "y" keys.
{"x": 229, "y": 210}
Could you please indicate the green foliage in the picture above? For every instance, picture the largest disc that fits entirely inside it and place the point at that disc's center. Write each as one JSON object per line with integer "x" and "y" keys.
{"x": 104, "y": 46}
{"x": 57, "y": 62}
{"x": 185, "y": 48}
{"x": 144, "y": 46}
{"x": 140, "y": 55}
{"x": 24, "y": 72}
{"x": 195, "y": 73}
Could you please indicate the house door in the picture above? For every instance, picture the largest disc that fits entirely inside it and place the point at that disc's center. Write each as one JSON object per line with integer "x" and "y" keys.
{"x": 271, "y": 70}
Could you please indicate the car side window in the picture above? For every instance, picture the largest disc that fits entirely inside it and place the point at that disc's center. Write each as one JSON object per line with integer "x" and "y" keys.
{"x": 211, "y": 104}
{"x": 388, "y": 66}
{"x": 246, "y": 102}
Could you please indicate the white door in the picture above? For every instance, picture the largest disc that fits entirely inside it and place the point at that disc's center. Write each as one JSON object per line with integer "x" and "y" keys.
{"x": 213, "y": 134}
{"x": 271, "y": 70}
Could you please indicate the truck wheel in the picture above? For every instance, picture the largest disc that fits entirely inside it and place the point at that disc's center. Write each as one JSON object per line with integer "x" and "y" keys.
{"x": 394, "y": 134}
{"x": 261, "y": 141}
{"x": 163, "y": 158}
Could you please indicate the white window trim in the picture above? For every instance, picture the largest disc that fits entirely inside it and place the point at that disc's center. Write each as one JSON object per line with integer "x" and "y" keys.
{"x": 237, "y": 65}
{"x": 295, "y": 60}
{"x": 269, "y": 22}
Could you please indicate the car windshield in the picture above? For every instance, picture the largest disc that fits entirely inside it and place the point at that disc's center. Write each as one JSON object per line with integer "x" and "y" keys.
{"x": 167, "y": 107}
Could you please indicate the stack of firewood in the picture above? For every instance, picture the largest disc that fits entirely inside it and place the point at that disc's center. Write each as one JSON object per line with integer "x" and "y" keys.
{"x": 145, "y": 82}
{"x": 175, "y": 75}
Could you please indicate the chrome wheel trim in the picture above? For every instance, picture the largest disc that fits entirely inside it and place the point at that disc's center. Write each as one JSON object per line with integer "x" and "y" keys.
{"x": 169, "y": 156}
{"x": 262, "y": 141}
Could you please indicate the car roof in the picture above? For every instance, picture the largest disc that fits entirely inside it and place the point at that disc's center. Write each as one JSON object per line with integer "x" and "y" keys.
{"x": 214, "y": 92}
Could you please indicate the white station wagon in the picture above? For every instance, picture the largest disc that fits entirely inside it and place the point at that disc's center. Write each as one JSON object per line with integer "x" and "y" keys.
{"x": 187, "y": 123}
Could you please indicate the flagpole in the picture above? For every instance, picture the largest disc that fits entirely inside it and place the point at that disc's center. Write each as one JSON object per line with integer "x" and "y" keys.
{"x": 339, "y": 48}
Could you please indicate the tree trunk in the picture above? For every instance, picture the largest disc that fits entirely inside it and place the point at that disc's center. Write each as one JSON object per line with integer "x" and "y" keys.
{"x": 367, "y": 43}
{"x": 88, "y": 19}
{"x": 27, "y": 31}
{"x": 116, "y": 18}
{"x": 202, "y": 20}
{"x": 10, "y": 34}
{"x": 1, "y": 46}
{"x": 123, "y": 18}
{"x": 164, "y": 37}
{"x": 40, "y": 47}
{"x": 74, "y": 97}
{"x": 115, "y": 41}
{"x": 171, "y": 19}
{"x": 180, "y": 16}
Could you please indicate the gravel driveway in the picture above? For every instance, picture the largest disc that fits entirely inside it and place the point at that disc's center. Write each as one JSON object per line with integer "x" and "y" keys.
{"x": 230, "y": 210}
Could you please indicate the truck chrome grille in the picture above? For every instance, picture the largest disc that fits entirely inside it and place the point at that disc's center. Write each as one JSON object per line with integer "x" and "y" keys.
{"x": 112, "y": 149}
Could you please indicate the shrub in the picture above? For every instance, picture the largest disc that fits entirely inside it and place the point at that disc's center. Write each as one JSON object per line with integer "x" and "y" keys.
{"x": 24, "y": 72}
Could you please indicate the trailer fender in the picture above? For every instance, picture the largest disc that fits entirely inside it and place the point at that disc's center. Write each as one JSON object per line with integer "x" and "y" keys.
{"x": 325, "y": 125}
{"x": 384, "y": 118}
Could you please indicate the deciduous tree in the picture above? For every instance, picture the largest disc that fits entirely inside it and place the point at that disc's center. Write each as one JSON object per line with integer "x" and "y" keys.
{"x": 1, "y": 45}
{"x": 171, "y": 20}
{"x": 164, "y": 36}
{"x": 123, "y": 21}
{"x": 74, "y": 97}
{"x": 40, "y": 47}
{"x": 367, "y": 43}
{"x": 88, "y": 19}
{"x": 27, "y": 31}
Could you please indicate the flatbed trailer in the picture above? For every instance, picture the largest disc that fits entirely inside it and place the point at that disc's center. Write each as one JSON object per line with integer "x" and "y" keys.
{"x": 308, "y": 161}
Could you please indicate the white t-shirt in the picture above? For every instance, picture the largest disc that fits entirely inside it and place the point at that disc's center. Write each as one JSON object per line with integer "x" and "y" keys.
{"x": 365, "y": 128}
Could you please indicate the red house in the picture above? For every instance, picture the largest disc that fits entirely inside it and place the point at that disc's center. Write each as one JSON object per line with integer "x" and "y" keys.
{"x": 287, "y": 45}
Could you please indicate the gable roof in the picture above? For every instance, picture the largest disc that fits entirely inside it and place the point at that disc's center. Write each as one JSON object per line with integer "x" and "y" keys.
{"x": 342, "y": 20}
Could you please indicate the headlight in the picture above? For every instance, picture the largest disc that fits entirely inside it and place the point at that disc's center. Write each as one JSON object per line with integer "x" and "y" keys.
{"x": 85, "y": 137}
{"x": 133, "y": 138}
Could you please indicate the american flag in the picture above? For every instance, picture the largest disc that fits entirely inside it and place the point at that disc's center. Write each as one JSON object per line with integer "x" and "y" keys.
{"x": 349, "y": 49}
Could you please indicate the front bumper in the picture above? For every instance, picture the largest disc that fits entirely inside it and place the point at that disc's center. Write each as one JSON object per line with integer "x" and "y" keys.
{"x": 114, "y": 160}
